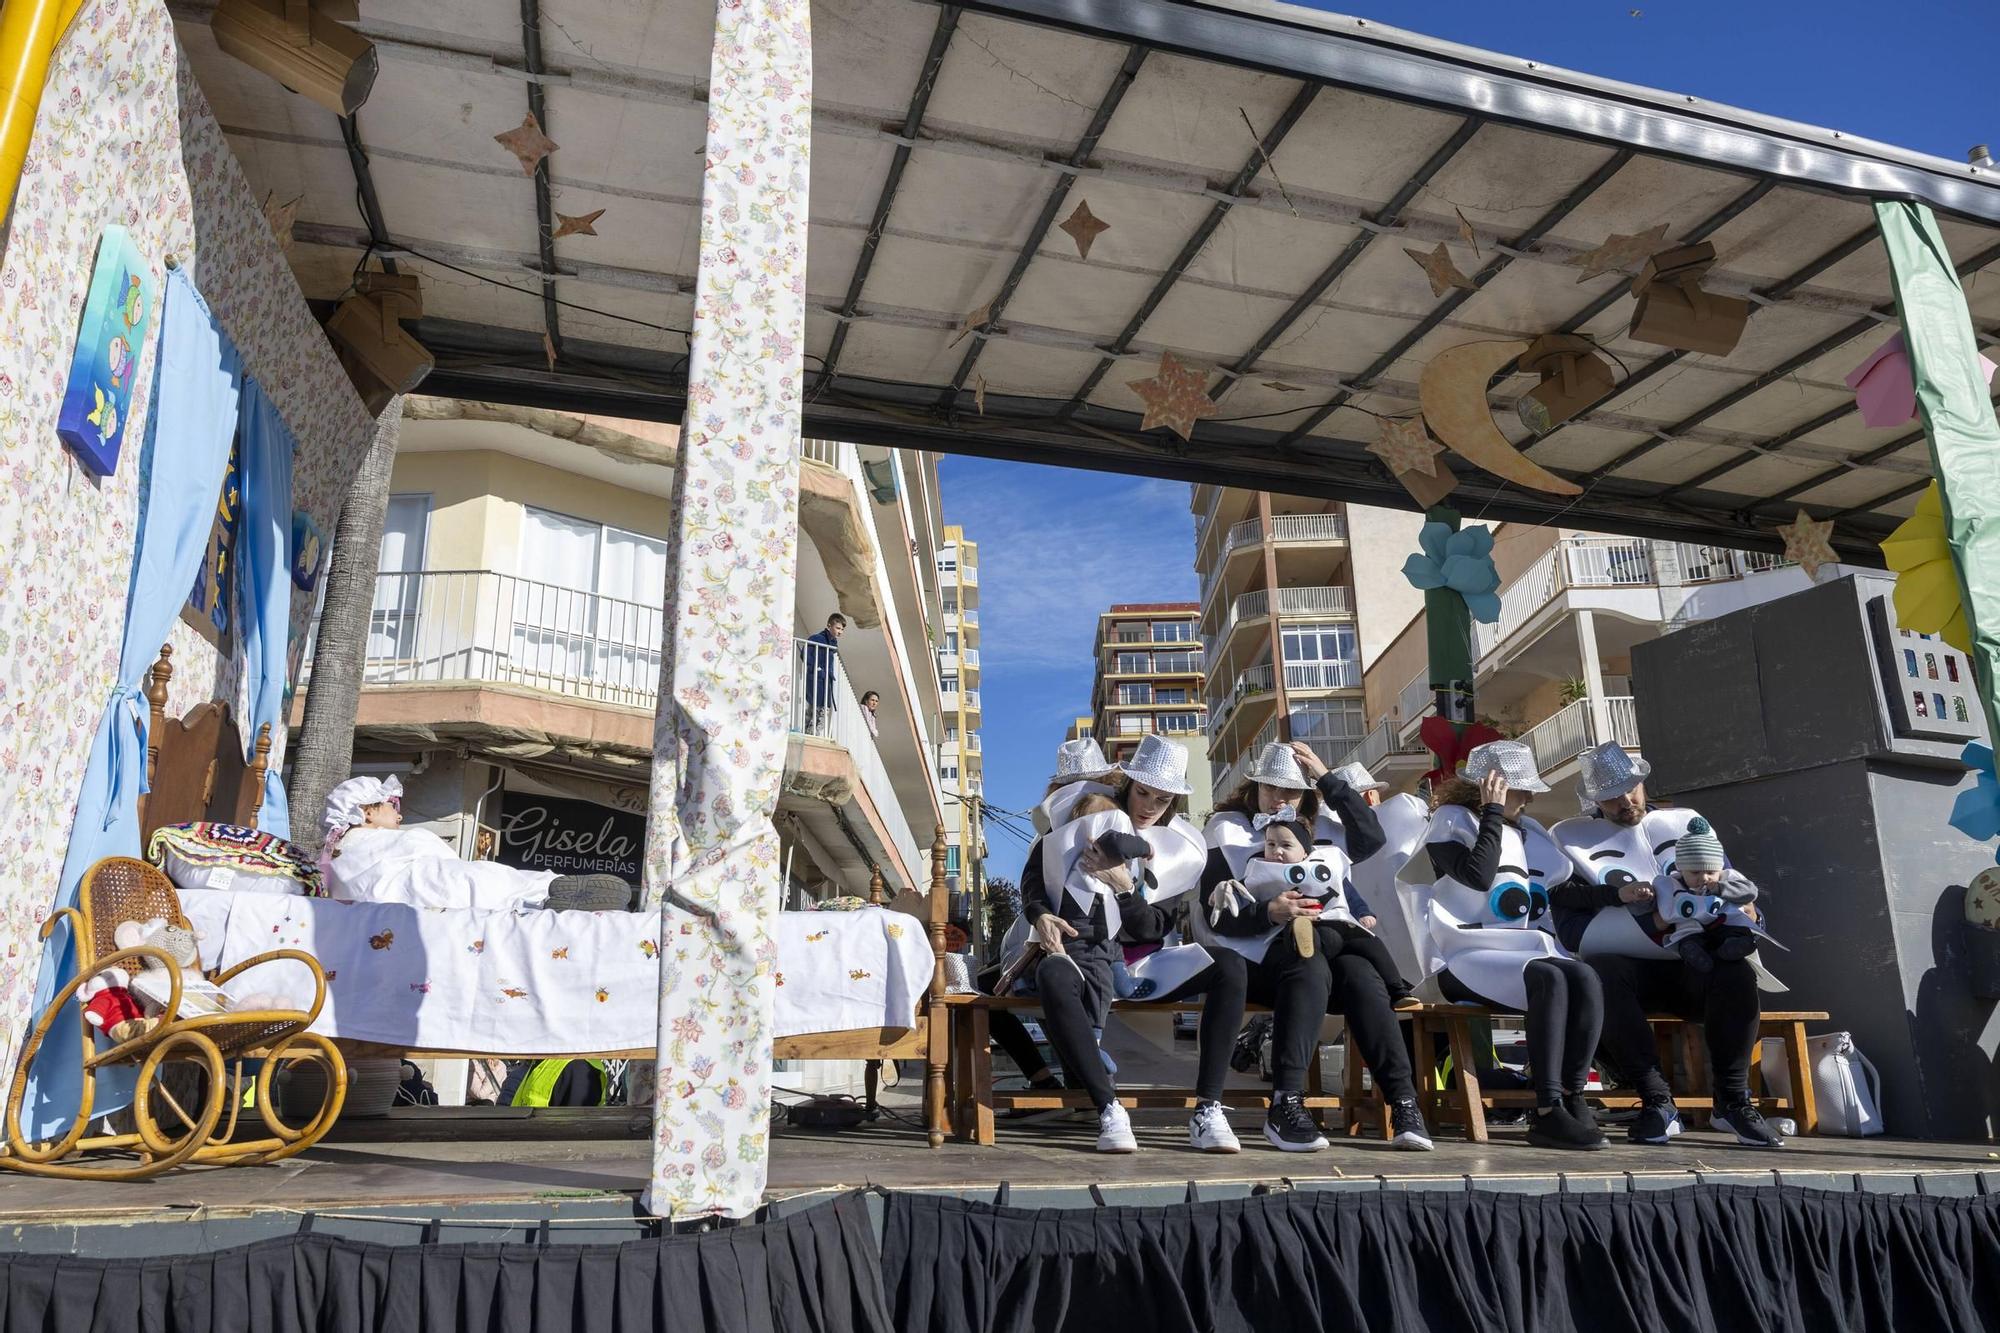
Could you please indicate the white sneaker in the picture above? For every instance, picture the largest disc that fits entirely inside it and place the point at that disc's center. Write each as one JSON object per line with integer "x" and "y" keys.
{"x": 1114, "y": 1130}
{"x": 1209, "y": 1131}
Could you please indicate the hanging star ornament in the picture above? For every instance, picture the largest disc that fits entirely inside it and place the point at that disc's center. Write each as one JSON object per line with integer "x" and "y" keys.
{"x": 1621, "y": 252}
{"x": 1466, "y": 233}
{"x": 1176, "y": 397}
{"x": 1084, "y": 227}
{"x": 527, "y": 143}
{"x": 584, "y": 224}
{"x": 1809, "y": 543}
{"x": 281, "y": 218}
{"x": 979, "y": 394}
{"x": 1437, "y": 266}
{"x": 1403, "y": 444}
{"x": 973, "y": 321}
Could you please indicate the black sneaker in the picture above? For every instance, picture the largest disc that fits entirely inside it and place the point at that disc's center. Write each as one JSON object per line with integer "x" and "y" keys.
{"x": 1289, "y": 1126}
{"x": 1249, "y": 1050}
{"x": 1407, "y": 1124}
{"x": 1659, "y": 1120}
{"x": 1747, "y": 1123}
{"x": 1557, "y": 1128}
{"x": 1581, "y": 1111}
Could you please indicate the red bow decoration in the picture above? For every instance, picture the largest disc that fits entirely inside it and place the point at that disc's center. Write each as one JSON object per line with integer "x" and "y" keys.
{"x": 1451, "y": 742}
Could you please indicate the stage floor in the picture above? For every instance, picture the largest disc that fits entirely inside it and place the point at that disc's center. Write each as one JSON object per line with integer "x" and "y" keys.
{"x": 435, "y": 1162}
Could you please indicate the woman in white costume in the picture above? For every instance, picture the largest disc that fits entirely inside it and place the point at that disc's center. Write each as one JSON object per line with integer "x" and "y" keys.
{"x": 370, "y": 857}
{"x": 1490, "y": 923}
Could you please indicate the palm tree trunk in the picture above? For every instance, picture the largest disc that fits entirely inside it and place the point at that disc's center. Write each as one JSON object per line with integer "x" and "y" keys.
{"x": 324, "y": 754}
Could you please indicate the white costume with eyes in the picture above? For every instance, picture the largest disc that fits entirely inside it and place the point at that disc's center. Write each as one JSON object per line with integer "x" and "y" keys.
{"x": 1606, "y": 852}
{"x": 1487, "y": 937}
{"x": 1322, "y": 876}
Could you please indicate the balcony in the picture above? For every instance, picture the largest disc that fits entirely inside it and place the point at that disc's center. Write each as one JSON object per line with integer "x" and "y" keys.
{"x": 1232, "y": 777}
{"x": 1557, "y": 741}
{"x": 1334, "y": 603}
{"x": 825, "y": 708}
{"x": 481, "y": 627}
{"x": 970, "y": 657}
{"x": 1383, "y": 740}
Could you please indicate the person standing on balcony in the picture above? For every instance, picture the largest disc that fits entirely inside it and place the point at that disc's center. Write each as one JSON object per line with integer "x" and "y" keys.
{"x": 871, "y": 703}
{"x": 1490, "y": 868}
{"x": 1300, "y": 990}
{"x": 1608, "y": 915}
{"x": 819, "y": 654}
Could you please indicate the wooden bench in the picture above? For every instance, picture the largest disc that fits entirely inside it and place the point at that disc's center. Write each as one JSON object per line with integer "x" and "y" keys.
{"x": 975, "y": 1103}
{"x": 1467, "y": 1103}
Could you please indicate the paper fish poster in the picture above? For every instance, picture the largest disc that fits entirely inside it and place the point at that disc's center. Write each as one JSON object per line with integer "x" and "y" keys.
{"x": 104, "y": 367}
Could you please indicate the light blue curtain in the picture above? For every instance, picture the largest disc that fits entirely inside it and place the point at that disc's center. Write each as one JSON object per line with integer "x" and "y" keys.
{"x": 196, "y": 385}
{"x": 264, "y": 576}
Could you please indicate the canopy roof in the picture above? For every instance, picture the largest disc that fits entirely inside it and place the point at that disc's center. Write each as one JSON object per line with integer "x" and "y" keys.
{"x": 1261, "y": 169}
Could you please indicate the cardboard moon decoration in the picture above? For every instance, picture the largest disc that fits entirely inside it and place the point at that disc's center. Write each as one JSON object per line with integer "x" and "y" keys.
{"x": 1452, "y": 390}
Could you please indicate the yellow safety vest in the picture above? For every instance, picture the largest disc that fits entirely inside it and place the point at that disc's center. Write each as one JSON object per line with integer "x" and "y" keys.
{"x": 534, "y": 1089}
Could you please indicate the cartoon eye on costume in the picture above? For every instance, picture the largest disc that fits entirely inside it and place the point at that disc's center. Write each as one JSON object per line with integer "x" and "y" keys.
{"x": 1689, "y": 909}
{"x": 1510, "y": 900}
{"x": 1323, "y": 873}
{"x": 1538, "y": 904}
{"x": 1295, "y": 874}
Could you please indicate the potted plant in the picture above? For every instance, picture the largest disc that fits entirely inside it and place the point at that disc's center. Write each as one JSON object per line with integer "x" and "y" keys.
{"x": 1574, "y": 690}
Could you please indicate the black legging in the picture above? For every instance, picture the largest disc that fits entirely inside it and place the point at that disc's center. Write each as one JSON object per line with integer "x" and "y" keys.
{"x": 1071, "y": 1023}
{"x": 1723, "y": 1001}
{"x": 1359, "y": 995}
{"x": 1296, "y": 990}
{"x": 1565, "y": 1015}
{"x": 1223, "y": 984}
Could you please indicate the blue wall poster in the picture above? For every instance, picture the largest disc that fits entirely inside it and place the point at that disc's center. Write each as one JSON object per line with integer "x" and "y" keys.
{"x": 104, "y": 366}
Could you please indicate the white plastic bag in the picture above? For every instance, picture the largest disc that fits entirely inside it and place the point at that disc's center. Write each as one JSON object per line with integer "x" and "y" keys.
{"x": 1845, "y": 1083}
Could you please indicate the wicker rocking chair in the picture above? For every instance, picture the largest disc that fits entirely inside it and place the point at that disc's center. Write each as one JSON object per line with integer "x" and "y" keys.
{"x": 167, "y": 1133}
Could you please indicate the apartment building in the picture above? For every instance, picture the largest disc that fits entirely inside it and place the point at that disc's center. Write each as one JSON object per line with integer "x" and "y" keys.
{"x": 514, "y": 649}
{"x": 1555, "y": 670}
{"x": 1298, "y": 596}
{"x": 961, "y": 760}
{"x": 1148, "y": 680}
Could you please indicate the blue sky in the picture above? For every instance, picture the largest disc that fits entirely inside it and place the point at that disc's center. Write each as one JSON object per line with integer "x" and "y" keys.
{"x": 1056, "y": 547}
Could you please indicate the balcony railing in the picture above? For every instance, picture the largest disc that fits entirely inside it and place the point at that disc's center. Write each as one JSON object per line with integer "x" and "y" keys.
{"x": 824, "y": 706}
{"x": 970, "y": 657}
{"x": 1415, "y": 701}
{"x": 1232, "y": 777}
{"x": 481, "y": 626}
{"x": 1337, "y": 674}
{"x": 1383, "y": 739}
{"x": 1335, "y": 600}
{"x": 1559, "y": 739}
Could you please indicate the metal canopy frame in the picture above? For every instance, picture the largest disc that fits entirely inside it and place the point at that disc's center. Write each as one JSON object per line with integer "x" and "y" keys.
{"x": 495, "y": 363}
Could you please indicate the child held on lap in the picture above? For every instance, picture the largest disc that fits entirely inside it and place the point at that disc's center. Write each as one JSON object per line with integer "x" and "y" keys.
{"x": 1701, "y": 902}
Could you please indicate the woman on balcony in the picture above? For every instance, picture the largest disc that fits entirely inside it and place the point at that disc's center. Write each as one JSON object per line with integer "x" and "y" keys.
{"x": 1302, "y": 990}
{"x": 1493, "y": 868}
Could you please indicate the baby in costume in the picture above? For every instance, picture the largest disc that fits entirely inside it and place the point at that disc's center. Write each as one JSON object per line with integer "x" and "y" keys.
{"x": 1290, "y": 863}
{"x": 1702, "y": 902}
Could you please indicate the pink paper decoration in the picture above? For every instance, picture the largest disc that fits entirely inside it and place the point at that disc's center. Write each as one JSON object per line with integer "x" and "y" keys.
{"x": 1884, "y": 389}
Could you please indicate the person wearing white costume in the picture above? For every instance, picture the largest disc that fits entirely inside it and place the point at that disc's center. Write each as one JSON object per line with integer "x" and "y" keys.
{"x": 1078, "y": 898}
{"x": 370, "y": 857}
{"x": 1609, "y": 915}
{"x": 1489, "y": 920}
{"x": 1301, "y": 991}
{"x": 1397, "y": 908}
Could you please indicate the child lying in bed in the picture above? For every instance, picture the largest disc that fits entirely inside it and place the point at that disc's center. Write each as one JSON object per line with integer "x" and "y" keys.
{"x": 370, "y": 857}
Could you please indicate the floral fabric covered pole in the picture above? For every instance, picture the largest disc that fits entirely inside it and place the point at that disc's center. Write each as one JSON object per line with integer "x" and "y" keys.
{"x": 719, "y": 740}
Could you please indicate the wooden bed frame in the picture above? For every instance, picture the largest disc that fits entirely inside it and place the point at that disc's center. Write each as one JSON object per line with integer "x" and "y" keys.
{"x": 196, "y": 769}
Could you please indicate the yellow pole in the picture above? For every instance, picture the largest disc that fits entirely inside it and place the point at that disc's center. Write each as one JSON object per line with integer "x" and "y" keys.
{"x": 29, "y": 30}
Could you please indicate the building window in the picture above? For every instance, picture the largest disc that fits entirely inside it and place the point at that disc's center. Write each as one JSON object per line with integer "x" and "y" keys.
{"x": 1930, "y": 665}
{"x": 1958, "y": 707}
{"x": 951, "y": 640}
{"x": 1134, "y": 664}
{"x": 948, "y": 683}
{"x": 1135, "y": 694}
{"x": 949, "y": 772}
{"x": 1179, "y": 724}
{"x": 950, "y": 600}
{"x": 1177, "y": 695}
{"x": 1937, "y": 703}
{"x": 951, "y": 860}
{"x": 1910, "y": 661}
{"x": 1951, "y": 667}
{"x": 1319, "y": 643}
{"x": 1917, "y": 697}
{"x": 1173, "y": 631}
{"x": 1329, "y": 720}
{"x": 1132, "y": 724}
{"x": 1176, "y": 664}
{"x": 591, "y": 610}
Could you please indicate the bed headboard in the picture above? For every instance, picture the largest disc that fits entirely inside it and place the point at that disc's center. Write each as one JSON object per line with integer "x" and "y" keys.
{"x": 194, "y": 764}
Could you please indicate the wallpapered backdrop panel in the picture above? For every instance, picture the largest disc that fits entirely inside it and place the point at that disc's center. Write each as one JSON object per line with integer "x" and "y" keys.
{"x": 124, "y": 136}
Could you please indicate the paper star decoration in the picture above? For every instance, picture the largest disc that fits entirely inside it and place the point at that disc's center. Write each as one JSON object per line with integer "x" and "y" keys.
{"x": 1437, "y": 266}
{"x": 1402, "y": 443}
{"x": 1176, "y": 398}
{"x": 1084, "y": 227}
{"x": 584, "y": 224}
{"x": 973, "y": 321}
{"x": 281, "y": 217}
{"x": 1808, "y": 541}
{"x": 1466, "y": 233}
{"x": 1621, "y": 252}
{"x": 527, "y": 143}
{"x": 979, "y": 394}
{"x": 1279, "y": 386}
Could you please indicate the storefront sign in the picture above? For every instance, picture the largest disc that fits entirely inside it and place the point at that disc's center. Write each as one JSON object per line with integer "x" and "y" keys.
{"x": 569, "y": 837}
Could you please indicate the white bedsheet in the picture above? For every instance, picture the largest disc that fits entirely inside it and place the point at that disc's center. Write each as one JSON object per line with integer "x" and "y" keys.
{"x": 541, "y": 983}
